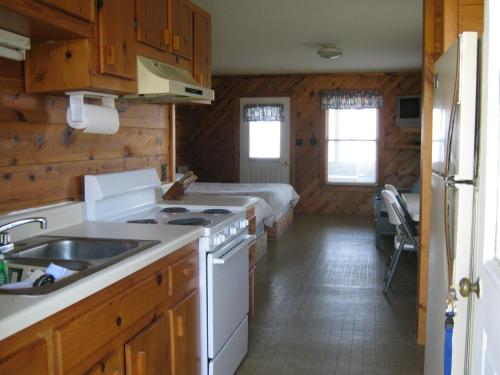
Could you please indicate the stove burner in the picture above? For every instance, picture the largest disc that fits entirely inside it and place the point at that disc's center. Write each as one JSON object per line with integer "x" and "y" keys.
{"x": 216, "y": 211}
{"x": 175, "y": 210}
{"x": 191, "y": 221}
{"x": 143, "y": 221}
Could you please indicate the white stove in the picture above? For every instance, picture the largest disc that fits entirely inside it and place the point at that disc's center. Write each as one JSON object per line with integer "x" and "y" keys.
{"x": 131, "y": 197}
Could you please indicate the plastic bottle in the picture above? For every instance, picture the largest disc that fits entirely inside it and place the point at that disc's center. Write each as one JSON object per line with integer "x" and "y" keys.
{"x": 3, "y": 271}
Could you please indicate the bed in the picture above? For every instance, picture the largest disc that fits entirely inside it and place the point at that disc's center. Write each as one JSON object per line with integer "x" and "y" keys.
{"x": 280, "y": 199}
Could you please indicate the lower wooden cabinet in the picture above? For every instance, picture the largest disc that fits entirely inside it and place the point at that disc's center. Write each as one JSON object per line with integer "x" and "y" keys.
{"x": 184, "y": 327}
{"x": 148, "y": 352}
{"x": 110, "y": 365}
{"x": 140, "y": 325}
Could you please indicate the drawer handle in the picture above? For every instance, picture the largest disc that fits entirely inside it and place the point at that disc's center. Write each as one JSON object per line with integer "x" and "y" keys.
{"x": 177, "y": 42}
{"x": 166, "y": 37}
{"x": 186, "y": 271}
{"x": 119, "y": 321}
{"x": 159, "y": 279}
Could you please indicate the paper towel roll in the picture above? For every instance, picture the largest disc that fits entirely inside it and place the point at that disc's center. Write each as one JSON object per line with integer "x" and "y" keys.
{"x": 97, "y": 120}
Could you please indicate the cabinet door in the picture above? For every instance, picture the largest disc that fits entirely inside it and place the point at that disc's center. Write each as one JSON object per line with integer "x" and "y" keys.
{"x": 117, "y": 38}
{"x": 148, "y": 352}
{"x": 202, "y": 49}
{"x": 152, "y": 23}
{"x": 30, "y": 360}
{"x": 83, "y": 9}
{"x": 182, "y": 29}
{"x": 111, "y": 365}
{"x": 184, "y": 327}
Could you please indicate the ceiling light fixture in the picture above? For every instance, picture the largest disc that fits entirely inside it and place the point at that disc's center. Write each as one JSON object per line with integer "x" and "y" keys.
{"x": 329, "y": 51}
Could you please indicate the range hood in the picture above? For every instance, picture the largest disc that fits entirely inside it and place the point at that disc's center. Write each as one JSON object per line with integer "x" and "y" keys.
{"x": 159, "y": 82}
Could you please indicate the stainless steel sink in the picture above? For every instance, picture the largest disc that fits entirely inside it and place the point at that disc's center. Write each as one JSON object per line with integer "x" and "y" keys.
{"x": 85, "y": 255}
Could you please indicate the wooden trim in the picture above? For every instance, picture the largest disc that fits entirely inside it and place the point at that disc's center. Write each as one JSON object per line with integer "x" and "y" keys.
{"x": 426, "y": 164}
{"x": 365, "y": 74}
{"x": 450, "y": 23}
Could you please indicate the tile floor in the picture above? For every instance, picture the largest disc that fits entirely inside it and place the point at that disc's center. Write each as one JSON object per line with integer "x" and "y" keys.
{"x": 320, "y": 308}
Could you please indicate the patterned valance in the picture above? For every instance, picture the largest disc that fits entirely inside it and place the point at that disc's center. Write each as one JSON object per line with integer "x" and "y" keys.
{"x": 340, "y": 99}
{"x": 263, "y": 112}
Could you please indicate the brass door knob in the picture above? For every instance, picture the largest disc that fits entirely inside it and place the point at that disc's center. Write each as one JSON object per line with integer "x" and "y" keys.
{"x": 466, "y": 287}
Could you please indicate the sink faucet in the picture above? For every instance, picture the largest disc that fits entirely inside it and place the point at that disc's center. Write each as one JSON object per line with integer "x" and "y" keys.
{"x": 5, "y": 238}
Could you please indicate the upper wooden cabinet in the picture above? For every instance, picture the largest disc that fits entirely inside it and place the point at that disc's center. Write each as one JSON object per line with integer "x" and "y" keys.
{"x": 83, "y": 8}
{"x": 202, "y": 61}
{"x": 117, "y": 38}
{"x": 152, "y": 28}
{"x": 182, "y": 28}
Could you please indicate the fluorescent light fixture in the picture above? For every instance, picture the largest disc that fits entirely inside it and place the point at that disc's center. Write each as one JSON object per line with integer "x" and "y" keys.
{"x": 13, "y": 46}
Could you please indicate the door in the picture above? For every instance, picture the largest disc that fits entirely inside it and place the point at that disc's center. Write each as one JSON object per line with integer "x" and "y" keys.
{"x": 265, "y": 144}
{"x": 202, "y": 63}
{"x": 117, "y": 54}
{"x": 147, "y": 353}
{"x": 152, "y": 23}
{"x": 184, "y": 326}
{"x": 452, "y": 203}
{"x": 485, "y": 343}
{"x": 182, "y": 29}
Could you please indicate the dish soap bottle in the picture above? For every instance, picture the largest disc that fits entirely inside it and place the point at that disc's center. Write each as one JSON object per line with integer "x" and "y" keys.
{"x": 3, "y": 271}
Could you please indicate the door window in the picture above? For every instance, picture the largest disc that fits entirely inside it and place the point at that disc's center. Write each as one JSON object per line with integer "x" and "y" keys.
{"x": 264, "y": 139}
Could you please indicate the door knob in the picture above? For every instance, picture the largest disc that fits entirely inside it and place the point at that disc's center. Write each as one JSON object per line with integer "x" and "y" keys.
{"x": 466, "y": 287}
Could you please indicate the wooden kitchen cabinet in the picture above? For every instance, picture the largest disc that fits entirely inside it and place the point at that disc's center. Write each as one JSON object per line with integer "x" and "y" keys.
{"x": 131, "y": 326}
{"x": 184, "y": 327}
{"x": 30, "y": 359}
{"x": 202, "y": 58}
{"x": 83, "y": 8}
{"x": 182, "y": 28}
{"x": 117, "y": 38}
{"x": 111, "y": 365}
{"x": 104, "y": 63}
{"x": 152, "y": 26}
{"x": 148, "y": 352}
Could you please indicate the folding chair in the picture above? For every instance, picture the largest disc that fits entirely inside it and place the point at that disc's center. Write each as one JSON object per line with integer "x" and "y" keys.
{"x": 406, "y": 237}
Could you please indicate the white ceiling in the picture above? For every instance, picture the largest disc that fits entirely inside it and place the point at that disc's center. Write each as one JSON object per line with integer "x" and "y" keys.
{"x": 281, "y": 36}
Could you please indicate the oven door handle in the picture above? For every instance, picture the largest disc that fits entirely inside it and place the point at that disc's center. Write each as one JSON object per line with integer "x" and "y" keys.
{"x": 230, "y": 253}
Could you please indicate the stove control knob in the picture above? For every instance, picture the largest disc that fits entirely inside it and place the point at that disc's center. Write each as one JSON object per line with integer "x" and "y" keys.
{"x": 233, "y": 230}
{"x": 217, "y": 240}
{"x": 222, "y": 238}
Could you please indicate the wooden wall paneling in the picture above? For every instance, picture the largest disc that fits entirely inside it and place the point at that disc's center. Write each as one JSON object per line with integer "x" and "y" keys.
{"x": 214, "y": 134}
{"x": 43, "y": 161}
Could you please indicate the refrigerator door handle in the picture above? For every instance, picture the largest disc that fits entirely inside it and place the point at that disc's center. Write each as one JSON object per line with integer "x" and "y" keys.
{"x": 451, "y": 181}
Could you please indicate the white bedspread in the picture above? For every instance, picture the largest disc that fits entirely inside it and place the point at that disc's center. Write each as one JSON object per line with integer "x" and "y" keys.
{"x": 279, "y": 197}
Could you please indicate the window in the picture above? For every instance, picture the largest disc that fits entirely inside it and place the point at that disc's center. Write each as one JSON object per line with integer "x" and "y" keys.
{"x": 352, "y": 146}
{"x": 265, "y": 139}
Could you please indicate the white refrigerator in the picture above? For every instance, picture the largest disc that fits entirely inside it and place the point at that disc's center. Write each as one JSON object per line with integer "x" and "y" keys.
{"x": 454, "y": 149}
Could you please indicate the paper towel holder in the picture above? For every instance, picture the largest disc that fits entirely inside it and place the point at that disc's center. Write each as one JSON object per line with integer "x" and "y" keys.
{"x": 76, "y": 104}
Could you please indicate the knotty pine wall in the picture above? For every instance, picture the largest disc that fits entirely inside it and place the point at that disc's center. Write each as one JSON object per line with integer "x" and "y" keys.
{"x": 214, "y": 134}
{"x": 41, "y": 162}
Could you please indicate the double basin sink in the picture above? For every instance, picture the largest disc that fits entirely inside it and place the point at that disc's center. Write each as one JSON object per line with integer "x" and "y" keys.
{"x": 84, "y": 255}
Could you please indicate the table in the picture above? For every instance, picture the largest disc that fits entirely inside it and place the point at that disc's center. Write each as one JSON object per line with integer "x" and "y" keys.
{"x": 413, "y": 204}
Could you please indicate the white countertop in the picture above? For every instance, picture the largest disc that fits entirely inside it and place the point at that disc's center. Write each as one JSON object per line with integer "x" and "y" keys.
{"x": 19, "y": 312}
{"x": 213, "y": 200}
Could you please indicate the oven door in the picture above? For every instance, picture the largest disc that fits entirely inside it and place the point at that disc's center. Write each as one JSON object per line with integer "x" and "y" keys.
{"x": 227, "y": 276}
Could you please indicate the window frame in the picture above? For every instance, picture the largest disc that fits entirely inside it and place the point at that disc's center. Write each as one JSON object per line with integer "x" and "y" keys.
{"x": 324, "y": 157}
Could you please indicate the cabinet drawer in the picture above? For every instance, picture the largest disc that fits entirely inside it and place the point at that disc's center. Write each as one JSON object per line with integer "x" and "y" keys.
{"x": 85, "y": 334}
{"x": 183, "y": 276}
{"x": 252, "y": 249}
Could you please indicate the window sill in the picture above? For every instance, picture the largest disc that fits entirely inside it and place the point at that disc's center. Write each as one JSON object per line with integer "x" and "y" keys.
{"x": 366, "y": 188}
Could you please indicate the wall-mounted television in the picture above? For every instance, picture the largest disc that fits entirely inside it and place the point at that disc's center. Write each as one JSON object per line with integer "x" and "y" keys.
{"x": 408, "y": 109}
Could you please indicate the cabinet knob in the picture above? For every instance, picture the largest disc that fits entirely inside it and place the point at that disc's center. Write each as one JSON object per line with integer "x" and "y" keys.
{"x": 186, "y": 271}
{"x": 119, "y": 321}
{"x": 159, "y": 279}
